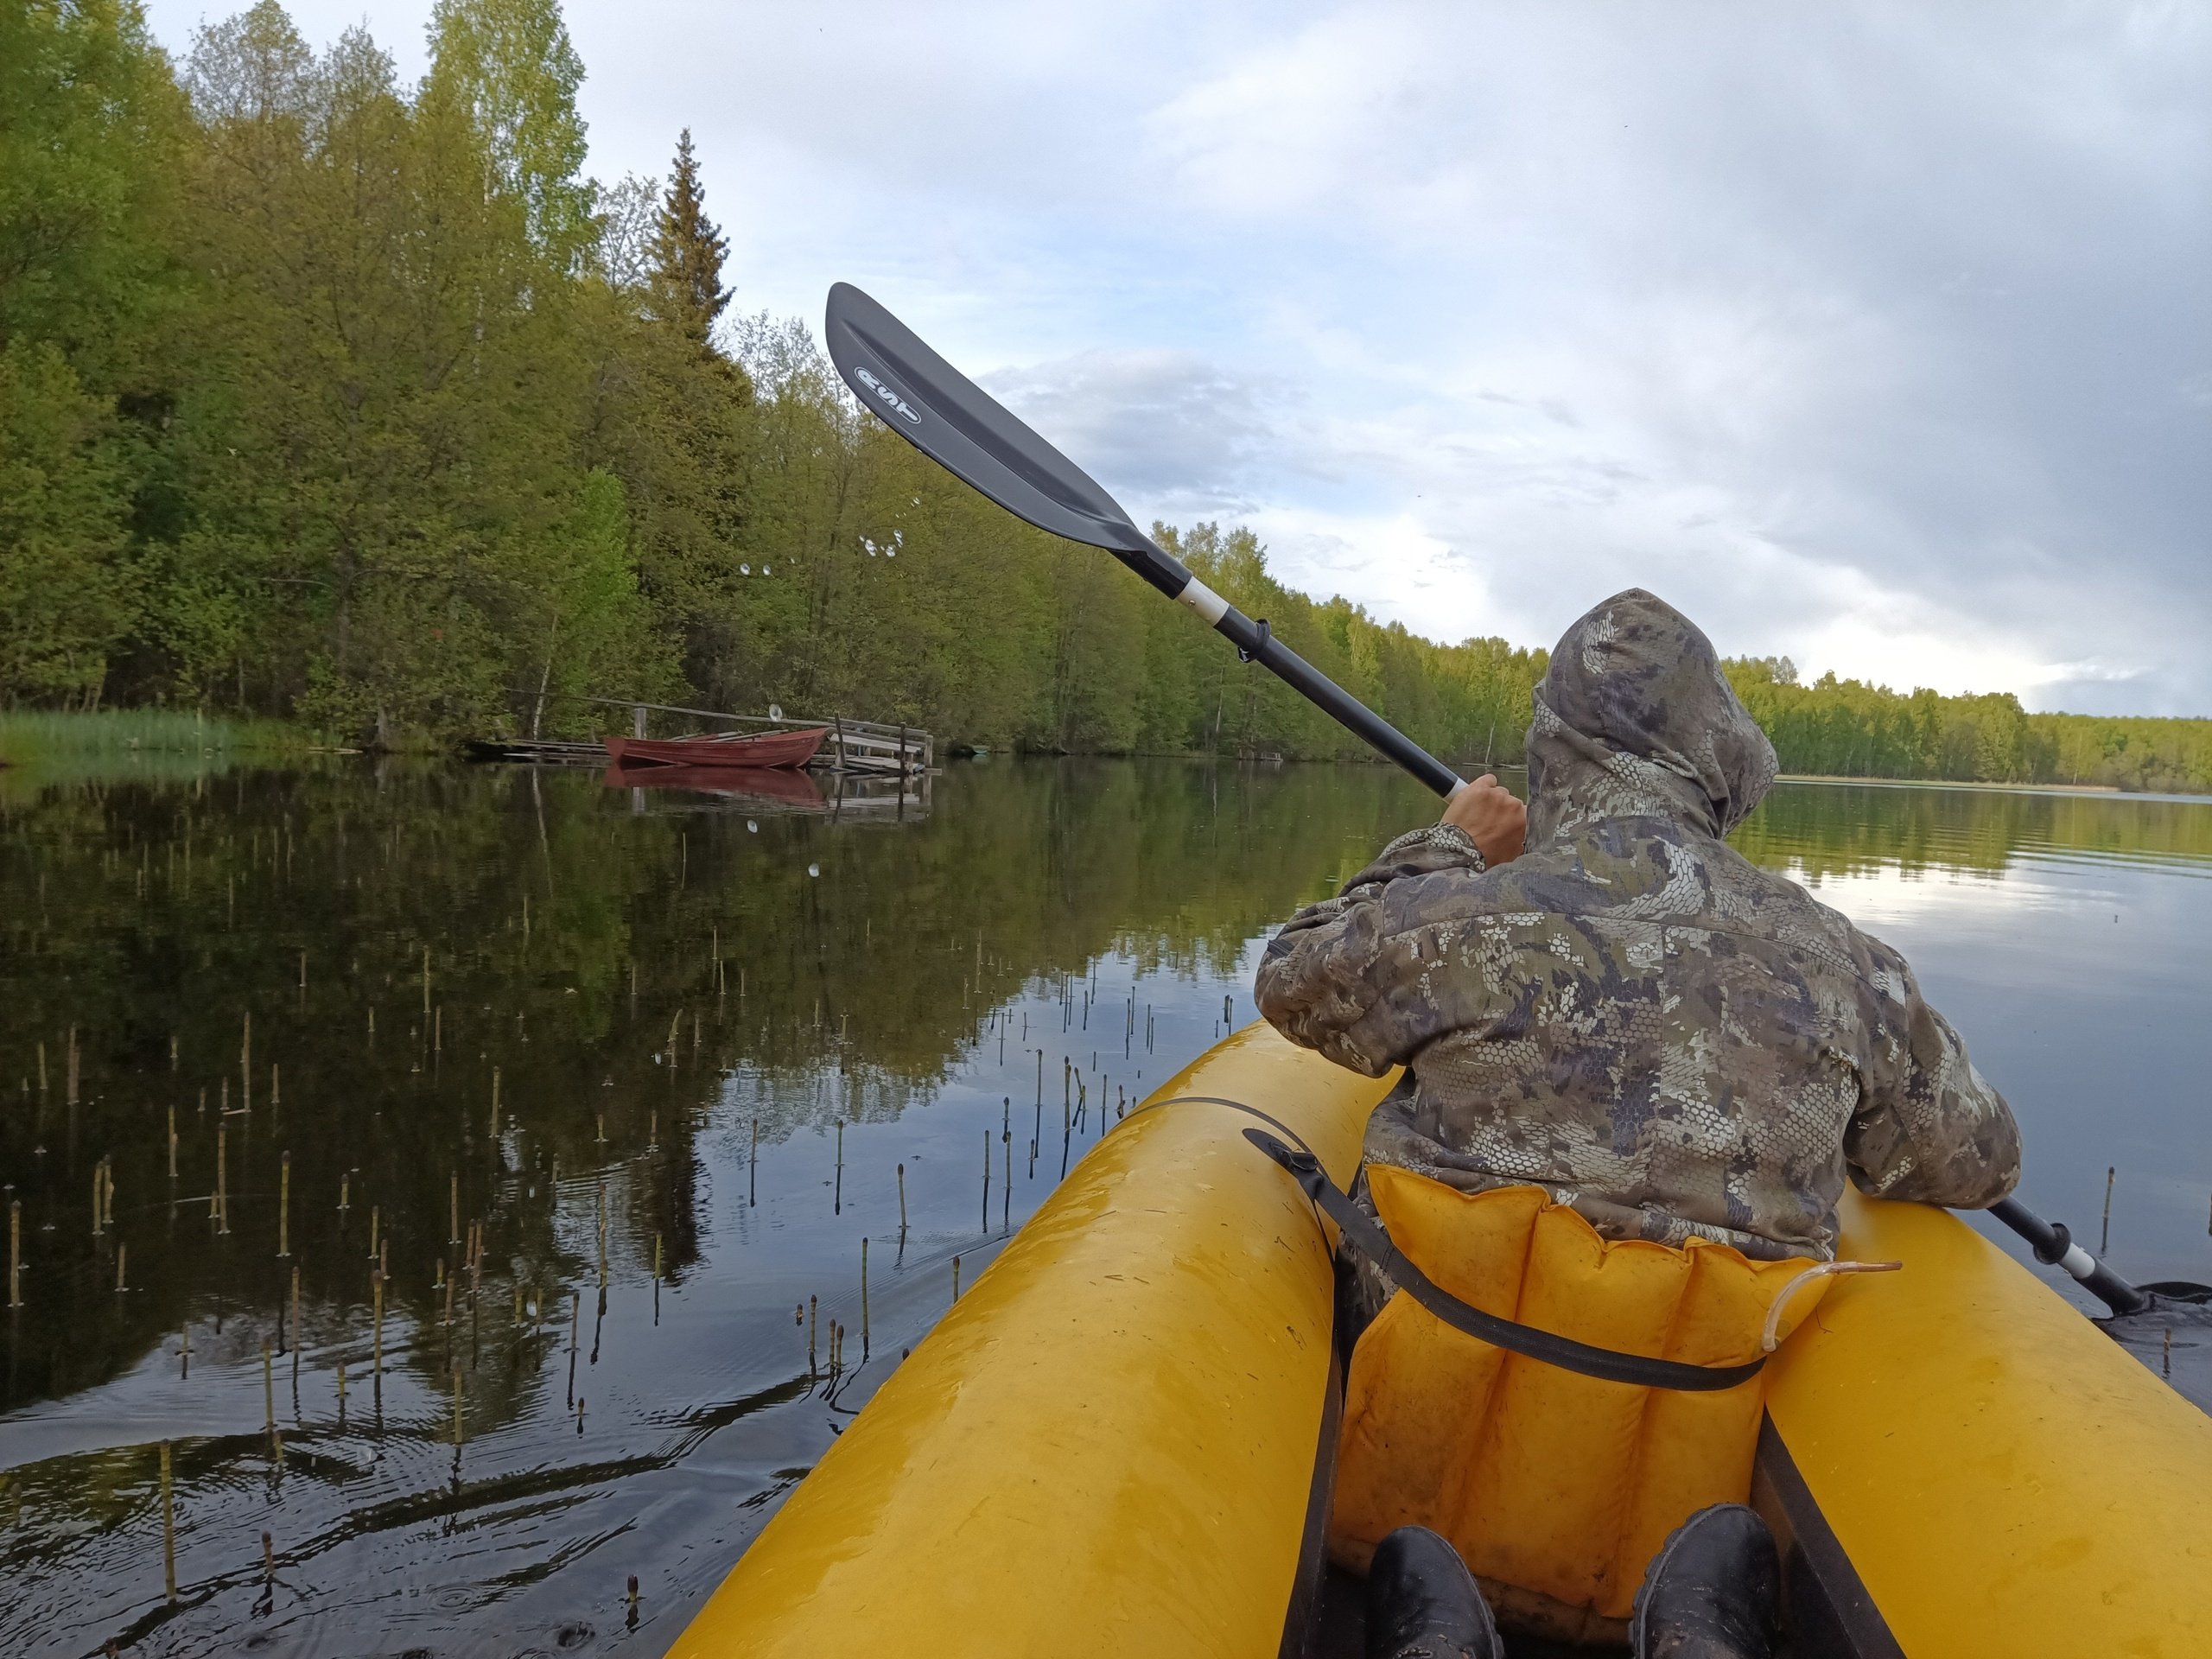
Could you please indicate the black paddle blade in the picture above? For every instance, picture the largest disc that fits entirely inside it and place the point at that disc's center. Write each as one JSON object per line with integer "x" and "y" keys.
{"x": 962, "y": 428}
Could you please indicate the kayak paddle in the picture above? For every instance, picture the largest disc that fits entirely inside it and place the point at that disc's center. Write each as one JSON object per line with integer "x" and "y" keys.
{"x": 965, "y": 430}
{"x": 2054, "y": 1246}
{"x": 968, "y": 433}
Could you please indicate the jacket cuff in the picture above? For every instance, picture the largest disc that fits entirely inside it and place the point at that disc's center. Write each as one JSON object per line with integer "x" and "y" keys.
{"x": 1425, "y": 851}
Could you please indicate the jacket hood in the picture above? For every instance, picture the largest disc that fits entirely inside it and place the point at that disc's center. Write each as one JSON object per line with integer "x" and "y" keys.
{"x": 1634, "y": 718}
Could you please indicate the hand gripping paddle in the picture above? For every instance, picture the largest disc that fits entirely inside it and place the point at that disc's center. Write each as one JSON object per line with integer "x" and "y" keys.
{"x": 962, "y": 428}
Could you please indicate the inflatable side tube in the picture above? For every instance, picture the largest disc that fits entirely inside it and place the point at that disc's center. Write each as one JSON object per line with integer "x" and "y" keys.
{"x": 1964, "y": 1464}
{"x": 1109, "y": 1445}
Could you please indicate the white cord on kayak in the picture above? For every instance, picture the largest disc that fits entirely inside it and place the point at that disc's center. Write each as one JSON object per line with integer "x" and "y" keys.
{"x": 1770, "y": 1338}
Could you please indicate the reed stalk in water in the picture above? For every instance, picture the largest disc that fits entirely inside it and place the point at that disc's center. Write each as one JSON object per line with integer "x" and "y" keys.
{"x": 168, "y": 1530}
{"x": 15, "y": 1253}
{"x": 269, "y": 1405}
{"x": 284, "y": 1205}
{"x": 576, "y": 1325}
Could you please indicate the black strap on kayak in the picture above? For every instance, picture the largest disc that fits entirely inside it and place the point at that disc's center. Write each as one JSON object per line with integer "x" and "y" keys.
{"x": 1368, "y": 1237}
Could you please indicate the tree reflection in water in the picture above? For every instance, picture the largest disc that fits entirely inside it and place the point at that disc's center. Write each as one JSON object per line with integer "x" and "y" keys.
{"x": 531, "y": 1030}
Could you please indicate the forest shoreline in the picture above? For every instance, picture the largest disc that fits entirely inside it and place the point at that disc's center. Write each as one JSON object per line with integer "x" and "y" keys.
{"x": 75, "y": 740}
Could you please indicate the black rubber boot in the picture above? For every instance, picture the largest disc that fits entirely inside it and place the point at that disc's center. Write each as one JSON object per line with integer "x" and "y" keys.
{"x": 1423, "y": 1604}
{"x": 1712, "y": 1591}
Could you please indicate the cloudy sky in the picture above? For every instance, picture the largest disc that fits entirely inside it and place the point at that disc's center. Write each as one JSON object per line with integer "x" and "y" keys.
{"x": 1880, "y": 335}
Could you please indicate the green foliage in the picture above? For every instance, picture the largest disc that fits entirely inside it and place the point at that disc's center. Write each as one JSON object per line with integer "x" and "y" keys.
{"x": 66, "y": 594}
{"x": 511, "y": 65}
{"x": 89, "y": 119}
{"x": 329, "y": 398}
{"x": 1845, "y": 729}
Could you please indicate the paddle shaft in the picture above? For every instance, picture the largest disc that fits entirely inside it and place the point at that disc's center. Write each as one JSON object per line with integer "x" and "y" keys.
{"x": 2054, "y": 1246}
{"x": 1254, "y": 643}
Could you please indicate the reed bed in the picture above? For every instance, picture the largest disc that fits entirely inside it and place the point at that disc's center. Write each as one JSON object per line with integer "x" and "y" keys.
{"x": 29, "y": 736}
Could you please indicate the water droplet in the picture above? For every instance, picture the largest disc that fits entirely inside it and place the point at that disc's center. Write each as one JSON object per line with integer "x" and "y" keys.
{"x": 814, "y": 869}
{"x": 752, "y": 826}
{"x": 744, "y": 569}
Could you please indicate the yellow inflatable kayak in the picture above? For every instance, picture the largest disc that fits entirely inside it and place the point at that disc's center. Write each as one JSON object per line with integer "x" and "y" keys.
{"x": 1121, "y": 1441}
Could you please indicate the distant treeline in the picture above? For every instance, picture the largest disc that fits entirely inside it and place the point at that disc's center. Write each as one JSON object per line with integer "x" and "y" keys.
{"x": 1846, "y": 729}
{"x": 355, "y": 403}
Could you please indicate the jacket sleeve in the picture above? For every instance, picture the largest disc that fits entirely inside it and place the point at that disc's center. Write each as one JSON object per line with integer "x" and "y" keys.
{"x": 1334, "y": 962}
{"x": 1929, "y": 1126}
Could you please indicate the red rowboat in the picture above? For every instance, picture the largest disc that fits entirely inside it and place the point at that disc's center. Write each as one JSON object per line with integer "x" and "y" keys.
{"x": 727, "y": 749}
{"x": 765, "y": 786}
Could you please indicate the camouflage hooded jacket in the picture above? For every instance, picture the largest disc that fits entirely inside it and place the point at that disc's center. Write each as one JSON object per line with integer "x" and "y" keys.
{"x": 1669, "y": 1037}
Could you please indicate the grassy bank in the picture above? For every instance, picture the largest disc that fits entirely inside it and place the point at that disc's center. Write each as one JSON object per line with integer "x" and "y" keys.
{"x": 29, "y": 735}
{"x": 47, "y": 746}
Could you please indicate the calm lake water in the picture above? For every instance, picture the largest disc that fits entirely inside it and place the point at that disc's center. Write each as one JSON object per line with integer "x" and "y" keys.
{"x": 620, "y": 1141}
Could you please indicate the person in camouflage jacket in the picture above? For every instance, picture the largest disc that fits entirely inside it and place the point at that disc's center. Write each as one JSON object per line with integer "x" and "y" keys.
{"x": 1630, "y": 1014}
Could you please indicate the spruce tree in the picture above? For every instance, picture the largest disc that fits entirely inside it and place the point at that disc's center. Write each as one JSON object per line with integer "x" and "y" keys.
{"x": 688, "y": 249}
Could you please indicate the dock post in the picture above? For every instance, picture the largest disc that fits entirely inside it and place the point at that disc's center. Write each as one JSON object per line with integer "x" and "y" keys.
{"x": 638, "y": 720}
